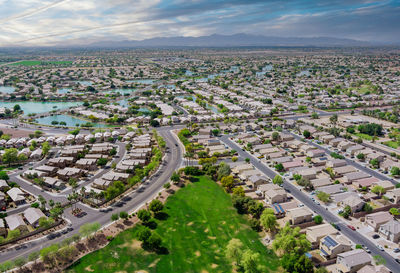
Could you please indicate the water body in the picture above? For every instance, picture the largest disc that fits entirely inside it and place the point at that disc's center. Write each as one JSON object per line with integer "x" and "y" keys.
{"x": 143, "y": 81}
{"x": 305, "y": 72}
{"x": 85, "y": 83}
{"x": 188, "y": 73}
{"x": 123, "y": 103}
{"x": 64, "y": 90}
{"x": 7, "y": 89}
{"x": 69, "y": 120}
{"x": 34, "y": 107}
{"x": 265, "y": 69}
{"x": 121, "y": 90}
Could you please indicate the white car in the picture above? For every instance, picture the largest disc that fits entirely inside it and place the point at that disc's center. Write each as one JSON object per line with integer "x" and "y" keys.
{"x": 380, "y": 248}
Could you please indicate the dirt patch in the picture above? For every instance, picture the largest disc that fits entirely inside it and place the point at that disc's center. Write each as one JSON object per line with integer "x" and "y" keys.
{"x": 206, "y": 230}
{"x": 153, "y": 264}
{"x": 211, "y": 237}
{"x": 140, "y": 271}
{"x": 204, "y": 271}
{"x": 89, "y": 268}
{"x": 190, "y": 223}
{"x": 223, "y": 222}
{"x": 214, "y": 266}
{"x": 197, "y": 253}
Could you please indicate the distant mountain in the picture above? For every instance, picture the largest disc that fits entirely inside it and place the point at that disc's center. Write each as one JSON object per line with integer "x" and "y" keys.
{"x": 235, "y": 40}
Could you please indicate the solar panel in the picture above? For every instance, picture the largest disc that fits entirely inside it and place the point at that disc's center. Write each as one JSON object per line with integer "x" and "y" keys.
{"x": 329, "y": 242}
{"x": 279, "y": 205}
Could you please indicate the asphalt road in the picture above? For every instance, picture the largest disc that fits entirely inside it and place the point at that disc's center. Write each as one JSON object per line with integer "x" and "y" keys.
{"x": 329, "y": 217}
{"x": 130, "y": 203}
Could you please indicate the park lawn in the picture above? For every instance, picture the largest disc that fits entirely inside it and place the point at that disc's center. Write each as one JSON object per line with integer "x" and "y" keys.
{"x": 33, "y": 63}
{"x": 391, "y": 144}
{"x": 201, "y": 222}
{"x": 364, "y": 136}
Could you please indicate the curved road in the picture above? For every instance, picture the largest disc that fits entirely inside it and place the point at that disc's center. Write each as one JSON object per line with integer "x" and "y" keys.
{"x": 130, "y": 202}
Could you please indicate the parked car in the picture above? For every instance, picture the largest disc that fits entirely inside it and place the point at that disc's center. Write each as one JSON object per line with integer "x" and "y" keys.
{"x": 380, "y": 248}
{"x": 397, "y": 260}
{"x": 351, "y": 227}
{"x": 367, "y": 250}
{"x": 396, "y": 250}
{"x": 375, "y": 236}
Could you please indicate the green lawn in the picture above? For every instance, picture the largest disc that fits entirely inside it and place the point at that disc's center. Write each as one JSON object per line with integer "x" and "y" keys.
{"x": 33, "y": 63}
{"x": 200, "y": 224}
{"x": 364, "y": 136}
{"x": 392, "y": 144}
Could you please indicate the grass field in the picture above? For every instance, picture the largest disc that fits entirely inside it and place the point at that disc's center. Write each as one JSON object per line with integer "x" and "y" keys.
{"x": 33, "y": 63}
{"x": 392, "y": 144}
{"x": 200, "y": 224}
{"x": 364, "y": 136}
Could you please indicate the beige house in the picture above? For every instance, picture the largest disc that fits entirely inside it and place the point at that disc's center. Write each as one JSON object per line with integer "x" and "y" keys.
{"x": 299, "y": 215}
{"x": 352, "y": 261}
{"x": 375, "y": 220}
{"x": 275, "y": 196}
{"x": 394, "y": 195}
{"x": 332, "y": 245}
{"x": 390, "y": 231}
{"x": 316, "y": 233}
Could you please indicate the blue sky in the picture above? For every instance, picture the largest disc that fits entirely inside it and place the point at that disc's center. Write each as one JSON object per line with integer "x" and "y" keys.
{"x": 38, "y": 22}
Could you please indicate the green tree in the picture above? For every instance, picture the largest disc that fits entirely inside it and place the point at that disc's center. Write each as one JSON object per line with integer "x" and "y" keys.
{"x": 395, "y": 171}
{"x": 318, "y": 219}
{"x": 144, "y": 215}
{"x": 144, "y": 233}
{"x": 238, "y": 191}
{"x": 123, "y": 215}
{"x": 114, "y": 217}
{"x": 250, "y": 261}
{"x": 4, "y": 175}
{"x": 394, "y": 211}
{"x": 175, "y": 177}
{"x": 278, "y": 180}
{"x": 223, "y": 170}
{"x": 156, "y": 206}
{"x": 306, "y": 134}
{"x": 10, "y": 156}
{"x": 268, "y": 220}
{"x": 279, "y": 167}
{"x": 378, "y": 190}
{"x": 275, "y": 136}
{"x": 45, "y": 148}
{"x": 154, "y": 241}
{"x": 234, "y": 250}
{"x": 323, "y": 196}
{"x": 227, "y": 182}
{"x": 290, "y": 240}
{"x": 314, "y": 115}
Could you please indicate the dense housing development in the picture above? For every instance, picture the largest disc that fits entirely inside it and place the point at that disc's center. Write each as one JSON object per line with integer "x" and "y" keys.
{"x": 251, "y": 160}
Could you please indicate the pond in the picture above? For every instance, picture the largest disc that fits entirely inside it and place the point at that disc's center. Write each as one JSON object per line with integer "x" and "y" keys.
{"x": 6, "y": 89}
{"x": 143, "y": 81}
{"x": 34, "y": 107}
{"x": 69, "y": 120}
{"x": 64, "y": 90}
{"x": 305, "y": 72}
{"x": 121, "y": 90}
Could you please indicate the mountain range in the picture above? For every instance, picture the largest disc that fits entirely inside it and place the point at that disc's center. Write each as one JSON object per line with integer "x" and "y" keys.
{"x": 235, "y": 40}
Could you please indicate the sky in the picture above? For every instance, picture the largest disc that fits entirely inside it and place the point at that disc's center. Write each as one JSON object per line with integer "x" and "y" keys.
{"x": 67, "y": 22}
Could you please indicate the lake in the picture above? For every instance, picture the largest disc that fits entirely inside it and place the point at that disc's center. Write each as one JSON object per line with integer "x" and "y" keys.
{"x": 34, "y": 107}
{"x": 70, "y": 120}
{"x": 143, "y": 81}
{"x": 6, "y": 89}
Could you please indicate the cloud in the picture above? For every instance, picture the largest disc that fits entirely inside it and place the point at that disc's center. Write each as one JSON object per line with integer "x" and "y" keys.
{"x": 36, "y": 22}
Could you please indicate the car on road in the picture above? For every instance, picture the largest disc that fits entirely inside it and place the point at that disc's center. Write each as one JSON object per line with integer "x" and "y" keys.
{"x": 380, "y": 248}
{"x": 375, "y": 236}
{"x": 69, "y": 229}
{"x": 176, "y": 144}
{"x": 351, "y": 227}
{"x": 396, "y": 250}
{"x": 397, "y": 260}
{"x": 367, "y": 249}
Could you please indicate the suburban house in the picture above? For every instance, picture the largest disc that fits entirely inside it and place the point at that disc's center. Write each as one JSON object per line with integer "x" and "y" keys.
{"x": 32, "y": 215}
{"x": 375, "y": 220}
{"x": 394, "y": 195}
{"x": 256, "y": 180}
{"x": 16, "y": 221}
{"x": 390, "y": 231}
{"x": 352, "y": 261}
{"x": 332, "y": 245}
{"x": 17, "y": 196}
{"x": 299, "y": 215}
{"x": 315, "y": 233}
{"x": 275, "y": 196}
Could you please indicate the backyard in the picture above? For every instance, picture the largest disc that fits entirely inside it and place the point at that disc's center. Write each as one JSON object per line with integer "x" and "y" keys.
{"x": 201, "y": 222}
